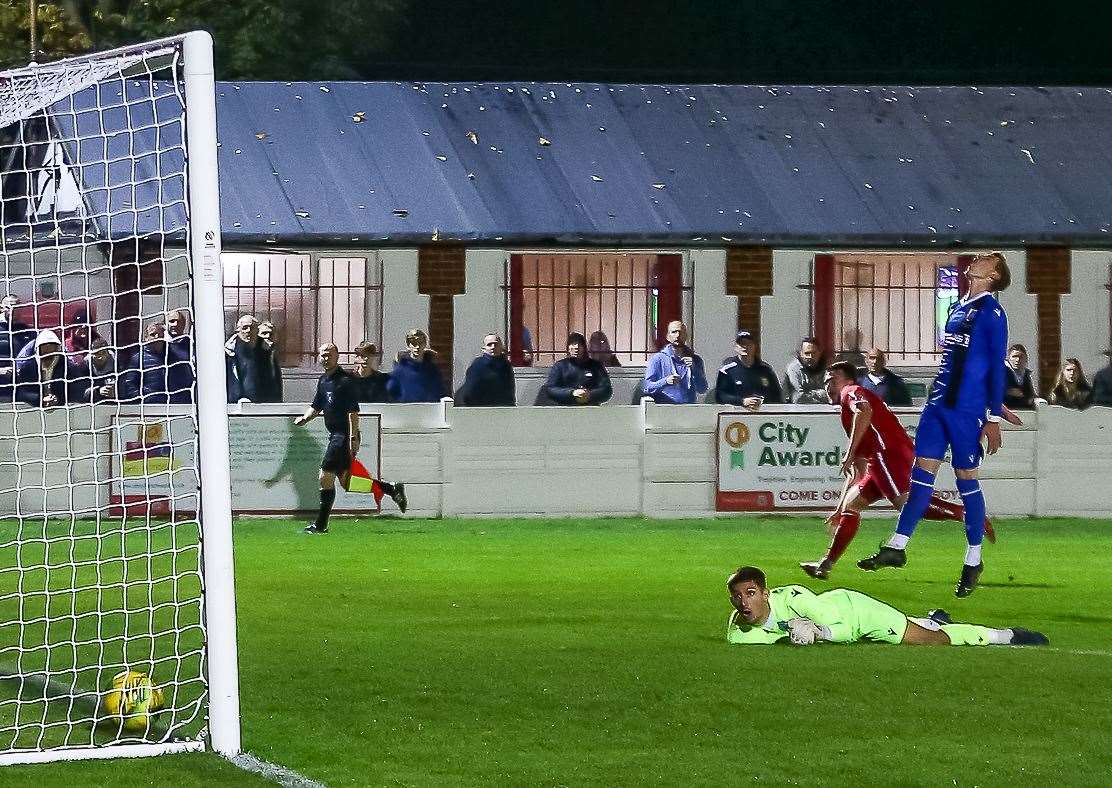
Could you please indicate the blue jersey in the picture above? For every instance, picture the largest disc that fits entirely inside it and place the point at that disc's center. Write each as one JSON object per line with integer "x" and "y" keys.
{"x": 971, "y": 376}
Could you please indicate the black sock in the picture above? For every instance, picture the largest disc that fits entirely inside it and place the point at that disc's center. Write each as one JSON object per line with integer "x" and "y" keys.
{"x": 327, "y": 498}
{"x": 387, "y": 488}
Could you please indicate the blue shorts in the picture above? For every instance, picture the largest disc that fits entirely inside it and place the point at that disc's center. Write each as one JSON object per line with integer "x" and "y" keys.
{"x": 941, "y": 428}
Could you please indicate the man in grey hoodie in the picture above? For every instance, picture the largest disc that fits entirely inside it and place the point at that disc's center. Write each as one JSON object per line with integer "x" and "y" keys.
{"x": 804, "y": 373}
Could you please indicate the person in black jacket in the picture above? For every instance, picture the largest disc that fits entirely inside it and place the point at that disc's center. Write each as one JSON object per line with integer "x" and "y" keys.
{"x": 490, "y": 378}
{"x": 14, "y": 335}
{"x": 745, "y": 380}
{"x": 577, "y": 379}
{"x": 1071, "y": 389}
{"x": 1102, "y": 385}
{"x": 369, "y": 382}
{"x": 253, "y": 375}
{"x": 882, "y": 381}
{"x": 47, "y": 378}
{"x": 1019, "y": 390}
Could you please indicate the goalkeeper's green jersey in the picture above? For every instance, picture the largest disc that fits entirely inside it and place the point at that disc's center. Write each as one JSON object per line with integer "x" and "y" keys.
{"x": 849, "y": 615}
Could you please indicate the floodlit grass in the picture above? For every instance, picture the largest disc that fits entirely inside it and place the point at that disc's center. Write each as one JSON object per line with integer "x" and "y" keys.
{"x": 80, "y": 602}
{"x": 591, "y": 652}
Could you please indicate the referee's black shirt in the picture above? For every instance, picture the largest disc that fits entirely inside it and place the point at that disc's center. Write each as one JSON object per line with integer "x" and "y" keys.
{"x": 336, "y": 398}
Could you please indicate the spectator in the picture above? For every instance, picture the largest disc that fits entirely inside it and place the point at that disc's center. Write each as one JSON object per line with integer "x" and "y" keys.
{"x": 1019, "y": 390}
{"x": 1071, "y": 390}
{"x": 675, "y": 375}
{"x": 577, "y": 379}
{"x": 14, "y": 334}
{"x": 415, "y": 376}
{"x": 369, "y": 384}
{"x": 526, "y": 347}
{"x": 145, "y": 377}
{"x": 267, "y": 335}
{"x": 598, "y": 348}
{"x": 76, "y": 338}
{"x": 251, "y": 367}
{"x": 851, "y": 352}
{"x": 179, "y": 357}
{"x": 804, "y": 373}
{"x": 47, "y": 378}
{"x": 490, "y": 378}
{"x": 102, "y": 370}
{"x": 743, "y": 379}
{"x": 1102, "y": 384}
{"x": 882, "y": 381}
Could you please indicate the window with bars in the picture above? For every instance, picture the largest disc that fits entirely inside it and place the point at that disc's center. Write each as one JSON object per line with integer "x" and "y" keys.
{"x": 622, "y": 303}
{"x": 897, "y": 302}
{"x": 310, "y": 299}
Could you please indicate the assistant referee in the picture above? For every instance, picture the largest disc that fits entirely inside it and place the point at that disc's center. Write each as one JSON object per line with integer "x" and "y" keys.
{"x": 336, "y": 399}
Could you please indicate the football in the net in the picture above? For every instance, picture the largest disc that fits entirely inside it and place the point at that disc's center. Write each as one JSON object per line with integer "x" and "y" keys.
{"x": 132, "y": 699}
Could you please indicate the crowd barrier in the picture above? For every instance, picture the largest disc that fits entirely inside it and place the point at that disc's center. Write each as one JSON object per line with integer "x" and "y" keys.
{"x": 659, "y": 461}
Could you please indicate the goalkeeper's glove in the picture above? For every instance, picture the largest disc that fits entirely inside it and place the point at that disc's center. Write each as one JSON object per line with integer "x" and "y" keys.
{"x": 804, "y": 631}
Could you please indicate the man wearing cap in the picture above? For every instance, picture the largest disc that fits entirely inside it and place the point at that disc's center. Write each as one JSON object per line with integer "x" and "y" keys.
{"x": 745, "y": 380}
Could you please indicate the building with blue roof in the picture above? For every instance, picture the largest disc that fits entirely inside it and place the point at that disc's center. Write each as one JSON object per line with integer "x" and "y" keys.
{"x": 533, "y": 209}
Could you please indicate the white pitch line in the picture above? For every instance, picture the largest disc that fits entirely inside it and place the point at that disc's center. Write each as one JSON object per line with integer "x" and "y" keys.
{"x": 287, "y": 778}
{"x": 1078, "y": 651}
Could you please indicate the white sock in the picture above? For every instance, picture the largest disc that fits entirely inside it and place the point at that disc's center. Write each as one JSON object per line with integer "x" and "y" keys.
{"x": 973, "y": 555}
{"x": 897, "y": 541}
{"x": 999, "y": 637}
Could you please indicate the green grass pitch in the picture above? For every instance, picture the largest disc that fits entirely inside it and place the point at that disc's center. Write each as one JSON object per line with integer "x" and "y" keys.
{"x": 591, "y": 652}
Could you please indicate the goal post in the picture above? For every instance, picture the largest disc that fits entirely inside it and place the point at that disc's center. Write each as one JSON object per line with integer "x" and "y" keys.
{"x": 213, "y": 455}
{"x": 117, "y": 601}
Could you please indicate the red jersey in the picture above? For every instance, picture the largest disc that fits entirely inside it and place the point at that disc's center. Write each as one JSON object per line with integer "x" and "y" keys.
{"x": 885, "y": 433}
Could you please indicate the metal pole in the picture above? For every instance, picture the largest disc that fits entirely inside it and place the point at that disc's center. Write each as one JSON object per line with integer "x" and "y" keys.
{"x": 34, "y": 30}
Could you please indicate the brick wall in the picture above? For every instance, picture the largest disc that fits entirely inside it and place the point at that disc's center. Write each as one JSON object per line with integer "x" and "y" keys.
{"x": 749, "y": 277}
{"x": 441, "y": 274}
{"x": 1048, "y": 279}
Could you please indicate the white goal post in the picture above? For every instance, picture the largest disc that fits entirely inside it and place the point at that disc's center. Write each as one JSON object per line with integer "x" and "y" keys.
{"x": 113, "y": 330}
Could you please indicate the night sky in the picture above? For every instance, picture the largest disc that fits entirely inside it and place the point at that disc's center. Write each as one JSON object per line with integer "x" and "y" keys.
{"x": 743, "y": 41}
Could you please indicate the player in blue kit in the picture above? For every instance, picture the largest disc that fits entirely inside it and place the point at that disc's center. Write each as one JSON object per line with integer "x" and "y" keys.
{"x": 964, "y": 408}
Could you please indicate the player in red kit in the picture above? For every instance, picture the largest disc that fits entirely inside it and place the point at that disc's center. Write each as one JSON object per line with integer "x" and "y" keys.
{"x": 876, "y": 465}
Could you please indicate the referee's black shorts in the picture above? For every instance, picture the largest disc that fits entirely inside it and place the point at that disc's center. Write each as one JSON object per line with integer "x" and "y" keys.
{"x": 337, "y": 455}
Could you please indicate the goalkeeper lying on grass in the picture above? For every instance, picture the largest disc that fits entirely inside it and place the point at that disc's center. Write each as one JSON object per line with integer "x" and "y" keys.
{"x": 765, "y": 615}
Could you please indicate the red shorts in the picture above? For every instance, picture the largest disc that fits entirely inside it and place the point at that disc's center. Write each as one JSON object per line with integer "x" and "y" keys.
{"x": 887, "y": 475}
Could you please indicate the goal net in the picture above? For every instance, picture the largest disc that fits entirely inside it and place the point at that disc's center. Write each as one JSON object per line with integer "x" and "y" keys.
{"x": 117, "y": 632}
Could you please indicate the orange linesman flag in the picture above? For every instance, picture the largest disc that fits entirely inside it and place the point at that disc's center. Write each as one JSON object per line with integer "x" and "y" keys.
{"x": 361, "y": 481}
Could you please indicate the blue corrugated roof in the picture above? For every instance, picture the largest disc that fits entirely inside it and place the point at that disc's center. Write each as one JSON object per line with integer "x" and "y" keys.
{"x": 124, "y": 142}
{"x": 650, "y": 164}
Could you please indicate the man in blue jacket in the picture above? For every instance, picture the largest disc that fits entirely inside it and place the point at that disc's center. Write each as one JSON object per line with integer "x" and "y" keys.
{"x": 490, "y": 378}
{"x": 145, "y": 377}
{"x": 415, "y": 376}
{"x": 675, "y": 375}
